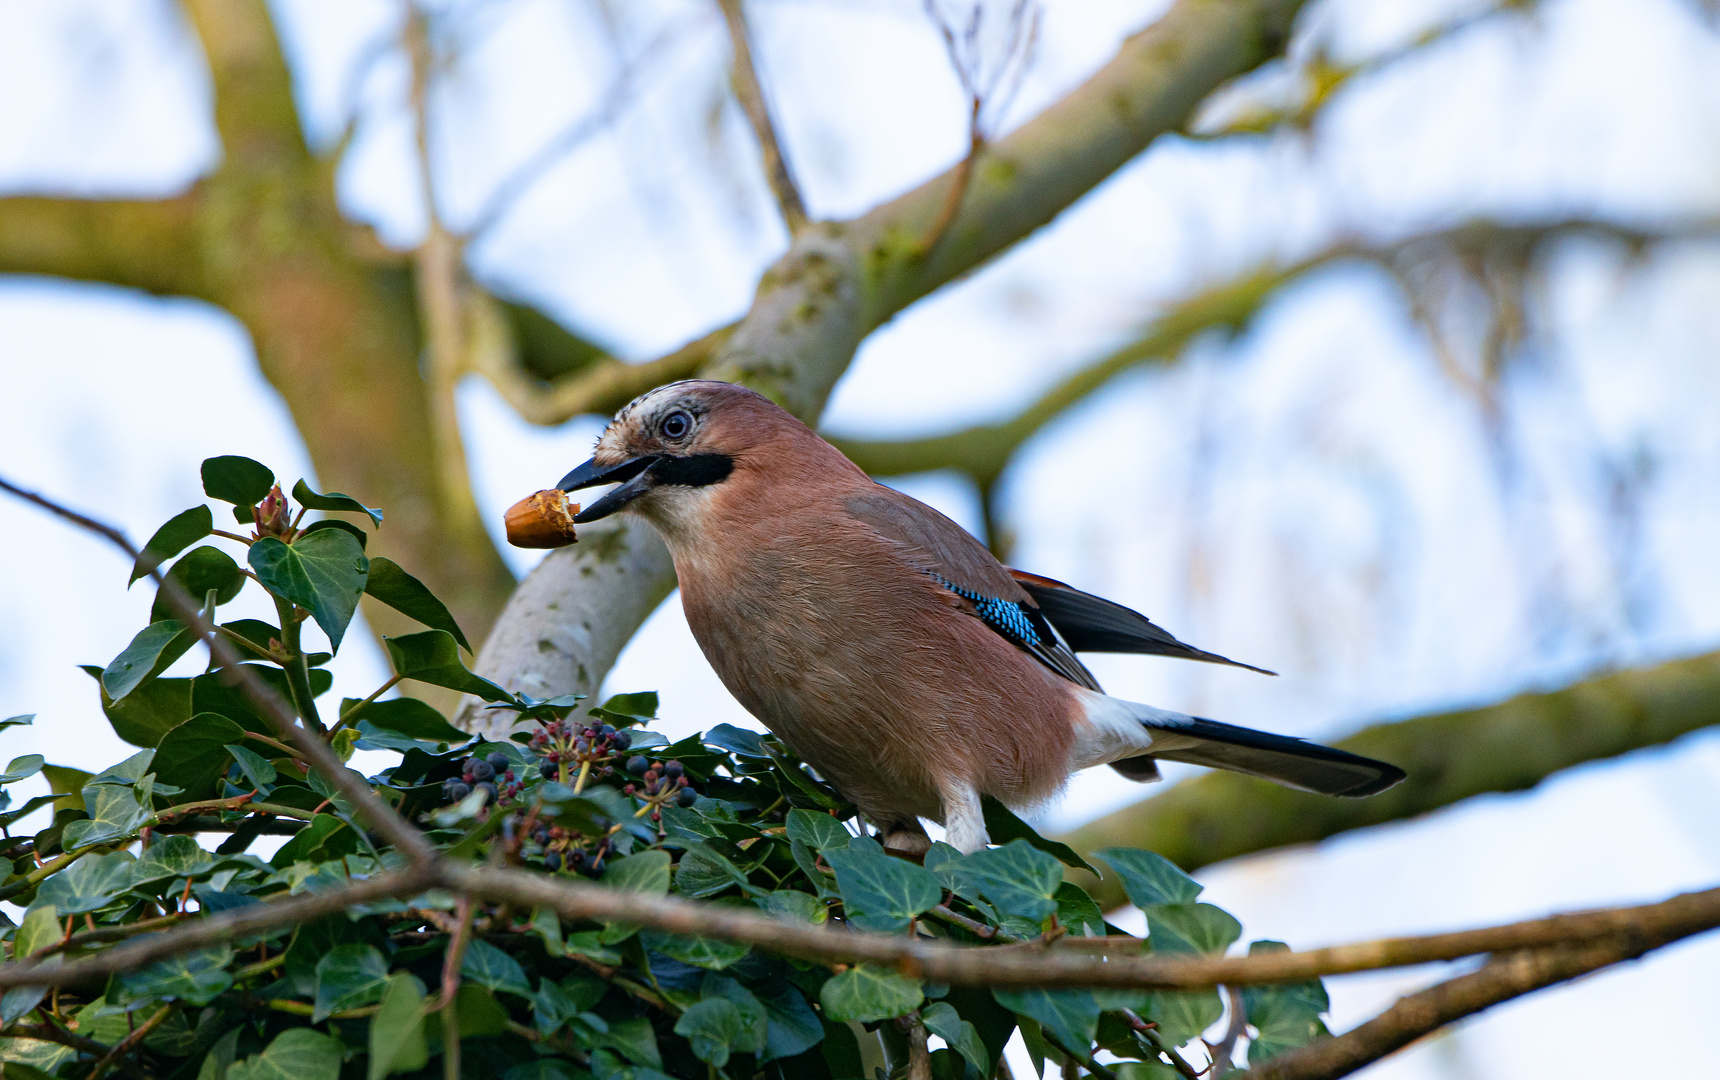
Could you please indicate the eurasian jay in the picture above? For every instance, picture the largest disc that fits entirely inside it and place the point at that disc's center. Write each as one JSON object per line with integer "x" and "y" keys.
{"x": 886, "y": 645}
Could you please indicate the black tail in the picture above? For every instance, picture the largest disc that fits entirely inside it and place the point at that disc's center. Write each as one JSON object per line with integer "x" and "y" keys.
{"x": 1292, "y": 762}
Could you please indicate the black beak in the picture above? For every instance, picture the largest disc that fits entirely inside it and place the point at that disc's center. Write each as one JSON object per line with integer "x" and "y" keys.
{"x": 633, "y": 476}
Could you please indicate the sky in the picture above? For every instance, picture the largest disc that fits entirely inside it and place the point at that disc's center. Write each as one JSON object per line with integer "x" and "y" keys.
{"x": 1313, "y": 495}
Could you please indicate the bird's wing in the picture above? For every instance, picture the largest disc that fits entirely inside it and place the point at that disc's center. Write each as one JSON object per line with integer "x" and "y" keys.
{"x": 1093, "y": 624}
{"x": 948, "y": 554}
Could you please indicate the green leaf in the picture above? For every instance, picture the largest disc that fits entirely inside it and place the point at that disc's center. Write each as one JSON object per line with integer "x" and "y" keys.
{"x": 397, "y": 1030}
{"x": 412, "y": 718}
{"x": 647, "y": 872}
{"x": 220, "y": 1056}
{"x": 90, "y": 884}
{"x": 1183, "y": 1014}
{"x": 323, "y": 572}
{"x": 1018, "y": 878}
{"x": 170, "y": 857}
{"x": 313, "y": 842}
{"x": 866, "y": 993}
{"x": 180, "y": 532}
{"x": 259, "y": 770}
{"x": 1150, "y": 879}
{"x": 148, "y": 712}
{"x": 1285, "y": 1016}
{"x": 404, "y": 593}
{"x": 21, "y": 720}
{"x": 433, "y": 656}
{"x": 817, "y": 831}
{"x": 334, "y": 500}
{"x": 704, "y": 872}
{"x": 68, "y": 783}
{"x": 1079, "y": 912}
{"x": 22, "y": 768}
{"x": 114, "y": 813}
{"x": 1069, "y": 1016}
{"x": 490, "y": 967}
{"x": 636, "y": 1040}
{"x": 708, "y": 953}
{"x": 196, "y": 978}
{"x": 237, "y": 480}
{"x": 794, "y": 904}
{"x": 349, "y": 976}
{"x": 1002, "y": 826}
{"x": 346, "y": 527}
{"x": 40, "y": 928}
{"x": 194, "y": 755}
{"x": 204, "y": 570}
{"x": 1182, "y": 929}
{"x": 546, "y": 1069}
{"x": 640, "y": 707}
{"x": 880, "y": 892}
{"x": 715, "y": 1026}
{"x": 155, "y": 646}
{"x": 944, "y": 1022}
{"x": 299, "y": 1053}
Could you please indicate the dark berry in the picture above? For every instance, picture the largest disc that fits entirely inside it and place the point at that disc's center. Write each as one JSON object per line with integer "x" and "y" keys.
{"x": 552, "y": 861}
{"x": 595, "y": 866}
{"x": 549, "y": 770}
{"x": 637, "y": 765}
{"x": 481, "y": 770}
{"x": 575, "y": 857}
{"x": 686, "y": 797}
{"x": 458, "y": 791}
{"x": 673, "y": 769}
{"x": 621, "y": 740}
{"x": 486, "y": 786}
{"x": 498, "y": 761}
{"x": 606, "y": 730}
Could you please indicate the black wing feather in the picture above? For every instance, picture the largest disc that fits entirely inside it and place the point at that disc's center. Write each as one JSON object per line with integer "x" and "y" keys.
{"x": 1091, "y": 623}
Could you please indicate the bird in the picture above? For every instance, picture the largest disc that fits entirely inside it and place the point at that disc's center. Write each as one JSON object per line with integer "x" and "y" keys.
{"x": 884, "y": 644}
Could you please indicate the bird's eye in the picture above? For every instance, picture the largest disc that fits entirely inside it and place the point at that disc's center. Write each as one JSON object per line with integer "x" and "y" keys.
{"x": 676, "y": 425}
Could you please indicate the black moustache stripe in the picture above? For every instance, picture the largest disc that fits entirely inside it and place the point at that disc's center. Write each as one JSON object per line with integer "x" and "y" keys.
{"x": 699, "y": 470}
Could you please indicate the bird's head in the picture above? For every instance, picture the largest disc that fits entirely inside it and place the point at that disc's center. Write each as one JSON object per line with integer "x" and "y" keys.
{"x": 672, "y": 448}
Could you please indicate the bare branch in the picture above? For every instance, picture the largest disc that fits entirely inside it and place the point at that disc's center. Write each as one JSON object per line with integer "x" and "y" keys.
{"x": 376, "y": 813}
{"x": 749, "y": 91}
{"x": 1500, "y": 979}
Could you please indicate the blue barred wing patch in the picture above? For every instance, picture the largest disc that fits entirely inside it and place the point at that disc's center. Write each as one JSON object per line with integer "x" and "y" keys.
{"x": 1005, "y": 616}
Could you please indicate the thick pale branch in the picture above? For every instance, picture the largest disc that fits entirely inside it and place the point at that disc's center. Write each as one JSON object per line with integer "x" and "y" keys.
{"x": 1511, "y": 746}
{"x": 148, "y": 244}
{"x": 749, "y": 91}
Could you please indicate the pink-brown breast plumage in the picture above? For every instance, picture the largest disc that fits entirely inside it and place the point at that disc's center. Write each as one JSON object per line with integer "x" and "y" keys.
{"x": 829, "y": 633}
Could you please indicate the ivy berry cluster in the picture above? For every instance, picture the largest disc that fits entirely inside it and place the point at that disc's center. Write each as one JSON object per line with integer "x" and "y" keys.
{"x": 564, "y": 746}
{"x": 493, "y": 774}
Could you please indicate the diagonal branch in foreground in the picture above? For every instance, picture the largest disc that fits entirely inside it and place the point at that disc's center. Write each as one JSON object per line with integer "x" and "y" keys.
{"x": 377, "y": 814}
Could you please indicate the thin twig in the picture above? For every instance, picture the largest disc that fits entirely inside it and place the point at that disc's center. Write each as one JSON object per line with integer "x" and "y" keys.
{"x": 125, "y": 1045}
{"x": 749, "y": 91}
{"x": 1223, "y": 1052}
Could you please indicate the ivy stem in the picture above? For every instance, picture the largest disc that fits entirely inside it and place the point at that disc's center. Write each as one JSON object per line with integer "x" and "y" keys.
{"x": 52, "y": 866}
{"x": 347, "y": 716}
{"x": 451, "y": 990}
{"x": 124, "y": 1047}
{"x": 298, "y": 666}
{"x": 584, "y": 775}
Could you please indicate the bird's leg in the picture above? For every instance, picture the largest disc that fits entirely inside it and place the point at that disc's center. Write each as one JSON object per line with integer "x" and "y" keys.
{"x": 964, "y": 821}
{"x": 906, "y": 838}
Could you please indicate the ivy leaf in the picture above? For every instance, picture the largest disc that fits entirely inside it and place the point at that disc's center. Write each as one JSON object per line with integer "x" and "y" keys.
{"x": 323, "y": 572}
{"x": 715, "y": 1026}
{"x": 194, "y": 755}
{"x": 943, "y": 1021}
{"x": 391, "y": 585}
{"x": 1018, "y": 878}
{"x": 114, "y": 813}
{"x": 817, "y": 831}
{"x": 259, "y": 770}
{"x": 40, "y": 928}
{"x": 1285, "y": 1016}
{"x": 700, "y": 952}
{"x": 1150, "y": 879}
{"x": 237, "y": 480}
{"x": 22, "y": 768}
{"x": 202, "y": 571}
{"x": 155, "y": 646}
{"x": 170, "y": 857}
{"x": 148, "y": 712}
{"x": 1003, "y": 826}
{"x": 647, "y": 872}
{"x": 397, "y": 1030}
{"x": 1184, "y": 929}
{"x": 299, "y": 1053}
{"x": 737, "y": 741}
{"x": 433, "y": 656}
{"x": 494, "y": 969}
{"x": 196, "y": 977}
{"x": 411, "y": 717}
{"x": 792, "y": 1028}
{"x": 624, "y": 709}
{"x": 704, "y": 872}
{"x": 334, "y": 500}
{"x": 1183, "y": 1014}
{"x": 90, "y": 884}
{"x": 867, "y": 993}
{"x": 348, "y": 976}
{"x": 794, "y": 904}
{"x": 181, "y": 531}
{"x": 1069, "y": 1016}
{"x": 882, "y": 893}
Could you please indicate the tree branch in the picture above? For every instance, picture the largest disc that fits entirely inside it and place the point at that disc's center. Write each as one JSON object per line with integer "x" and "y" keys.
{"x": 148, "y": 244}
{"x": 1511, "y": 746}
{"x": 749, "y": 91}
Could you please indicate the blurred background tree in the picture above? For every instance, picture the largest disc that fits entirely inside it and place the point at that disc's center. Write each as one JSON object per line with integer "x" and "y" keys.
{"x": 1373, "y": 343}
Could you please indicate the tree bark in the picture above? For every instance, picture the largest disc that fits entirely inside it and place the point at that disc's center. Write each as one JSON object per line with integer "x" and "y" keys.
{"x": 1511, "y": 746}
